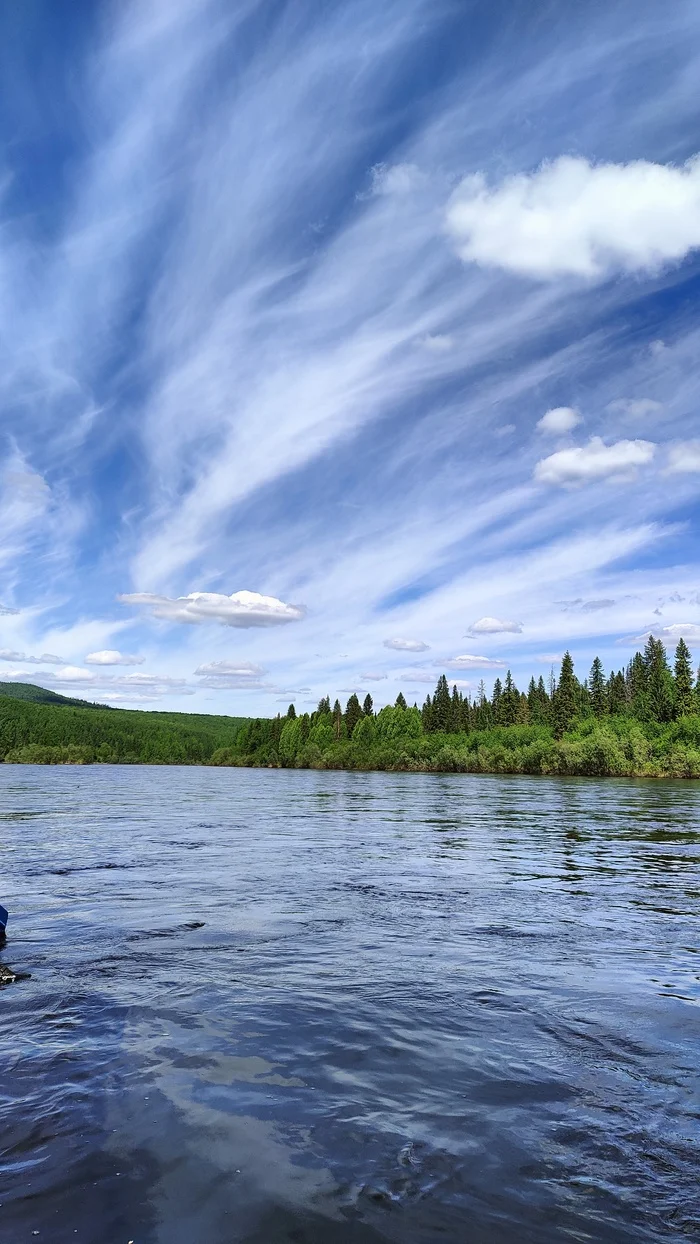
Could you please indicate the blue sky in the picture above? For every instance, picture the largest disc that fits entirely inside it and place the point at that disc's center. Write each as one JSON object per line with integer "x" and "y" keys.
{"x": 376, "y": 324}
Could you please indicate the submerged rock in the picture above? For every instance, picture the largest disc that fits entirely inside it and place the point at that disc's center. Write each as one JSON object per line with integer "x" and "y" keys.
{"x": 7, "y": 976}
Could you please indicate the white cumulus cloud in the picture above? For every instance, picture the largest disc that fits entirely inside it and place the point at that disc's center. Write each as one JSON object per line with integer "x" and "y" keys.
{"x": 469, "y": 662}
{"x": 494, "y": 626}
{"x": 595, "y": 461}
{"x": 684, "y": 458}
{"x": 406, "y": 645}
{"x": 241, "y": 609}
{"x": 571, "y": 217}
{"x": 558, "y": 420}
{"x": 373, "y": 676}
{"x": 111, "y": 656}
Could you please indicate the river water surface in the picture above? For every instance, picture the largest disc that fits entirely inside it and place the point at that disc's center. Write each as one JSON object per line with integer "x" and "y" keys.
{"x": 336, "y": 1007}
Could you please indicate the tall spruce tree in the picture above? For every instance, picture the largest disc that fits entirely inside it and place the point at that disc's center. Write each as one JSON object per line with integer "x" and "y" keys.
{"x": 291, "y": 712}
{"x": 353, "y": 713}
{"x": 496, "y": 697}
{"x": 616, "y": 692}
{"x": 442, "y": 705}
{"x": 427, "y": 714}
{"x": 597, "y": 689}
{"x": 368, "y": 706}
{"x": 337, "y": 720}
{"x": 636, "y": 678}
{"x": 683, "y": 680}
{"x": 659, "y": 681}
{"x": 508, "y": 703}
{"x": 565, "y": 697}
{"x": 401, "y": 701}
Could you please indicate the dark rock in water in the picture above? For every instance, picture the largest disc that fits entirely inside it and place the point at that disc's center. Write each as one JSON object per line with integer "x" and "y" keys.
{"x": 7, "y": 976}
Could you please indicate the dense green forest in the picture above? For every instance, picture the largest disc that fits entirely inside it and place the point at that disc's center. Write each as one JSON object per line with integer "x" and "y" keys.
{"x": 640, "y": 721}
{"x": 66, "y": 733}
{"x": 41, "y": 695}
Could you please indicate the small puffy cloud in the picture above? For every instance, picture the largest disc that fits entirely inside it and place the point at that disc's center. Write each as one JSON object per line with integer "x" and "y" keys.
{"x": 558, "y": 420}
{"x": 406, "y": 645}
{"x": 417, "y": 676}
{"x": 637, "y": 407}
{"x": 373, "y": 676}
{"x": 595, "y": 461}
{"x": 684, "y": 458}
{"x": 494, "y": 626}
{"x": 230, "y": 669}
{"x": 110, "y": 656}
{"x": 46, "y": 658}
{"x": 690, "y": 631}
{"x": 241, "y": 609}
{"x": 232, "y": 676}
{"x": 470, "y": 662}
{"x": 574, "y": 218}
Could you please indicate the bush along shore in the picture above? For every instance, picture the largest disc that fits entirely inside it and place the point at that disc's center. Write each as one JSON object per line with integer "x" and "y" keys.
{"x": 643, "y": 721}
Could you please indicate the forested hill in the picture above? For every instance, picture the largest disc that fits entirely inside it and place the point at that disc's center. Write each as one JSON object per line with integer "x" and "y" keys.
{"x": 68, "y": 732}
{"x": 40, "y": 695}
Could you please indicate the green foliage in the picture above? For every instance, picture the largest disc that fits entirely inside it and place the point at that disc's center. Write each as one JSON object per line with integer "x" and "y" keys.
{"x": 40, "y": 695}
{"x": 37, "y": 733}
{"x": 683, "y": 680}
{"x": 566, "y": 697}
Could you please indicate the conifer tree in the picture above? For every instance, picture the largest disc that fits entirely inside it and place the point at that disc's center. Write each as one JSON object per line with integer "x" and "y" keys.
{"x": 636, "y": 686}
{"x": 659, "y": 681}
{"x": 565, "y": 697}
{"x": 337, "y": 719}
{"x": 616, "y": 694}
{"x": 368, "y": 706}
{"x": 324, "y": 705}
{"x": 597, "y": 689}
{"x": 683, "y": 680}
{"x": 496, "y": 697}
{"x": 291, "y": 712}
{"x": 353, "y": 713}
{"x": 508, "y": 703}
{"x": 427, "y": 714}
{"x": 401, "y": 701}
{"x": 442, "y": 705}
{"x": 456, "y": 719}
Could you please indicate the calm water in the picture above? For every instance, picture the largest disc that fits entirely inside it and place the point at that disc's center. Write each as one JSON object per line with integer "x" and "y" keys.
{"x": 416, "y": 1008}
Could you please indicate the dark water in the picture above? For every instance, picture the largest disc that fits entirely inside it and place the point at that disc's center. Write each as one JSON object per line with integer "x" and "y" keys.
{"x": 418, "y": 1008}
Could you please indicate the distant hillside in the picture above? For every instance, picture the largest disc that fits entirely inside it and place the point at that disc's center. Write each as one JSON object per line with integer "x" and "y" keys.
{"x": 56, "y": 730}
{"x": 40, "y": 695}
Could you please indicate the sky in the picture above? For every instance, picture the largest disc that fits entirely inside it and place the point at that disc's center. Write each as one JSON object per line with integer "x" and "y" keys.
{"x": 343, "y": 344}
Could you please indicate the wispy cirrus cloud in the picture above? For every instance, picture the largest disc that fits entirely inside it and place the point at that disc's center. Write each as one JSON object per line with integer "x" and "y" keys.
{"x": 315, "y": 394}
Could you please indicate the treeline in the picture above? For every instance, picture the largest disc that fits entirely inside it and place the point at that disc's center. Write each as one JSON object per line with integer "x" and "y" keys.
{"x": 35, "y": 733}
{"x": 643, "y": 720}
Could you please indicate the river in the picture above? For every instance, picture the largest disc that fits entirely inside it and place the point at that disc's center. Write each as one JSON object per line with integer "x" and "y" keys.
{"x": 344, "y": 1008}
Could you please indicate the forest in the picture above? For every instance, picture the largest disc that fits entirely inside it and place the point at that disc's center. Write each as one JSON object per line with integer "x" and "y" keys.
{"x": 35, "y": 732}
{"x": 641, "y": 721}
